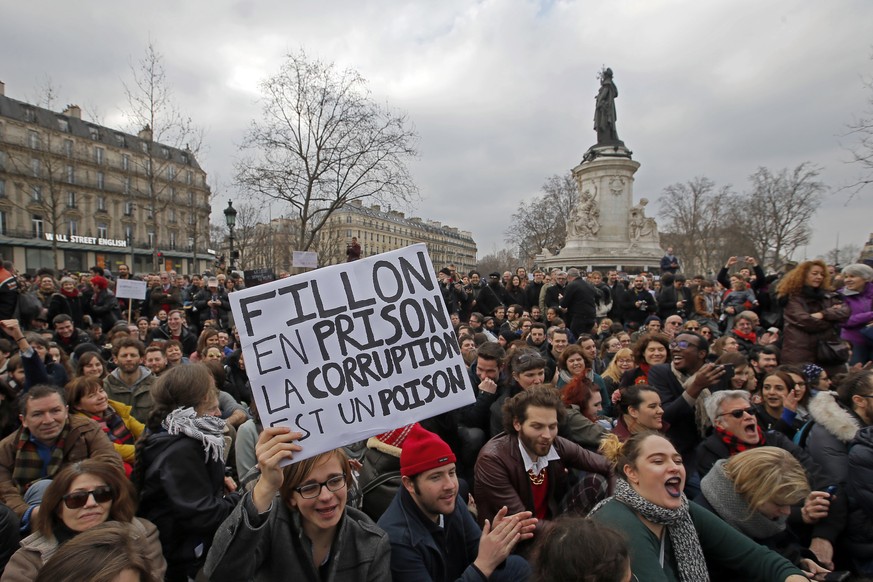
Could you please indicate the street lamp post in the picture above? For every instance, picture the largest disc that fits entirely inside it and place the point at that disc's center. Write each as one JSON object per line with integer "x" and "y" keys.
{"x": 230, "y": 218}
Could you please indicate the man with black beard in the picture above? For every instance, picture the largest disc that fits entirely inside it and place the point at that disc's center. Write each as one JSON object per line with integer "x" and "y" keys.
{"x": 499, "y": 290}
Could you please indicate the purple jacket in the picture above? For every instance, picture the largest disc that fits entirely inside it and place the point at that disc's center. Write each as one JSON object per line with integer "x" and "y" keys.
{"x": 861, "y": 306}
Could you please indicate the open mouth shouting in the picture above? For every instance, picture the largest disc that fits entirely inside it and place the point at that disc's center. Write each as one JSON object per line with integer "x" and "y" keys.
{"x": 673, "y": 485}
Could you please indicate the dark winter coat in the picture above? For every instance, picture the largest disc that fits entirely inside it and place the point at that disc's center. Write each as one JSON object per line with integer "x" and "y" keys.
{"x": 802, "y": 331}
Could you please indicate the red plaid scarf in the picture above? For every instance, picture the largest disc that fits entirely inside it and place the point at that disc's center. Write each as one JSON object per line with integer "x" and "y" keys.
{"x": 735, "y": 445}
{"x": 28, "y": 463}
{"x": 114, "y": 427}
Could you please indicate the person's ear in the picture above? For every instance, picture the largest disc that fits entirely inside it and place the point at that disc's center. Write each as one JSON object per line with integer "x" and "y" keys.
{"x": 516, "y": 425}
{"x": 631, "y": 474}
{"x": 408, "y": 484}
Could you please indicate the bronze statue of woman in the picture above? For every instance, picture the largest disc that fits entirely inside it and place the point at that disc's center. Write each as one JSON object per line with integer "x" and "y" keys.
{"x": 604, "y": 110}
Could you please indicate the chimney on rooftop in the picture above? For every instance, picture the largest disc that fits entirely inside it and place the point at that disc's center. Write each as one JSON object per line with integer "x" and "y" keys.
{"x": 145, "y": 133}
{"x": 2, "y": 88}
{"x": 73, "y": 111}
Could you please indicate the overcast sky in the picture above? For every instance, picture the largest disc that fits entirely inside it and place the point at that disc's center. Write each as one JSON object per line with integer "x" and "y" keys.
{"x": 501, "y": 92}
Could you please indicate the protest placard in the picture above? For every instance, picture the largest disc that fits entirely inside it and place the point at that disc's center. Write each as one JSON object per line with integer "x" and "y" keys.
{"x": 305, "y": 259}
{"x": 349, "y": 351}
{"x": 130, "y": 289}
{"x": 255, "y": 277}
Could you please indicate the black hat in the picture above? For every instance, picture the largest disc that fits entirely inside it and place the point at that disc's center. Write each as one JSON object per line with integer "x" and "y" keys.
{"x": 495, "y": 274}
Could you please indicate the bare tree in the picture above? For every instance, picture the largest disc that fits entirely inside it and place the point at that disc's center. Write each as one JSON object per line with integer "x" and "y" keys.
{"x": 843, "y": 255}
{"x": 500, "y": 261}
{"x": 541, "y": 223}
{"x": 861, "y": 151}
{"x": 153, "y": 115}
{"x": 694, "y": 215}
{"x": 322, "y": 142}
{"x": 48, "y": 174}
{"x": 775, "y": 213}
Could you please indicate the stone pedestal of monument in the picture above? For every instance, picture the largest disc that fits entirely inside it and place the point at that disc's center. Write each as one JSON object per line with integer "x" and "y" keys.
{"x": 607, "y": 230}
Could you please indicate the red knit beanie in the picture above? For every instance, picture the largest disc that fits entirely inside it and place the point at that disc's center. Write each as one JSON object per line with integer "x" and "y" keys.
{"x": 423, "y": 451}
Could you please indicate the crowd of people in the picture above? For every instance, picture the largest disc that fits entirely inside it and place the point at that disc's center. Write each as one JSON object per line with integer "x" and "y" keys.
{"x": 624, "y": 428}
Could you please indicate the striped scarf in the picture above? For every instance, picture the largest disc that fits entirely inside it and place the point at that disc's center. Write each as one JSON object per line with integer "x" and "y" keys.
{"x": 114, "y": 427}
{"x": 28, "y": 463}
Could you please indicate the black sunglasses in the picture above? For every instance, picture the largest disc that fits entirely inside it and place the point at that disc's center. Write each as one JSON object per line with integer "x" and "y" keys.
{"x": 78, "y": 499}
{"x": 739, "y": 412}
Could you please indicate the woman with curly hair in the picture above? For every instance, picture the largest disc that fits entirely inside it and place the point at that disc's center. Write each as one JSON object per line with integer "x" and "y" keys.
{"x": 812, "y": 313}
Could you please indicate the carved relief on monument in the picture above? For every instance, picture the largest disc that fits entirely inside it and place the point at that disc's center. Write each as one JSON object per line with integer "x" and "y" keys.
{"x": 584, "y": 220}
{"x": 616, "y": 185}
{"x": 642, "y": 228}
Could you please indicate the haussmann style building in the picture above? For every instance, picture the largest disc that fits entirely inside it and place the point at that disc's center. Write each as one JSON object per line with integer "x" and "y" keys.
{"x": 74, "y": 194}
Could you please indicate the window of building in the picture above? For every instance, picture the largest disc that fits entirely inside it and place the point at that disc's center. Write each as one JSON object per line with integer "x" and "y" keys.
{"x": 68, "y": 147}
{"x": 185, "y": 159}
{"x": 171, "y": 173}
{"x": 29, "y": 114}
{"x": 98, "y": 155}
{"x": 172, "y": 194}
{"x": 2, "y": 188}
{"x": 33, "y": 139}
{"x": 144, "y": 145}
{"x": 126, "y": 184}
{"x": 125, "y": 162}
{"x": 128, "y": 208}
{"x": 189, "y": 177}
{"x": 2, "y": 160}
{"x": 72, "y": 227}
{"x": 151, "y": 238}
{"x": 348, "y": 233}
{"x": 2, "y": 222}
{"x": 192, "y": 219}
{"x": 172, "y": 240}
{"x": 36, "y": 193}
{"x": 95, "y": 133}
{"x": 71, "y": 199}
{"x": 101, "y": 180}
{"x": 101, "y": 203}
{"x": 171, "y": 215}
{"x": 38, "y": 226}
{"x": 150, "y": 212}
{"x": 120, "y": 140}
{"x": 34, "y": 166}
{"x": 63, "y": 125}
{"x": 71, "y": 176}
{"x": 102, "y": 230}
{"x": 190, "y": 243}
{"x": 128, "y": 233}
{"x": 165, "y": 152}
{"x": 190, "y": 198}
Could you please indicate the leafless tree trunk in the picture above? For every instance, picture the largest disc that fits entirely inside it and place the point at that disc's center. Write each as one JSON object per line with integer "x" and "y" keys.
{"x": 776, "y": 211}
{"x": 694, "y": 216}
{"x": 322, "y": 142}
{"x": 542, "y": 222}
{"x": 154, "y": 116}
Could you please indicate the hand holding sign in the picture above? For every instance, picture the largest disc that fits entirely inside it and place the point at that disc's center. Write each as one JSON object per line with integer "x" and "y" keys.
{"x": 276, "y": 444}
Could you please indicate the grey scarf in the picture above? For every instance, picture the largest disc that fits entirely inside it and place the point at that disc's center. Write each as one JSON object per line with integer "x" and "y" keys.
{"x": 731, "y": 507}
{"x": 680, "y": 528}
{"x": 209, "y": 430}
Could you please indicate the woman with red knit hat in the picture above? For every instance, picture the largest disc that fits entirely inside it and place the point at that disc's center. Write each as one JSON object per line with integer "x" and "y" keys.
{"x": 295, "y": 522}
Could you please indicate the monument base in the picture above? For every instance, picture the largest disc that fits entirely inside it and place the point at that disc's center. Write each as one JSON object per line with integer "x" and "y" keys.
{"x": 607, "y": 231}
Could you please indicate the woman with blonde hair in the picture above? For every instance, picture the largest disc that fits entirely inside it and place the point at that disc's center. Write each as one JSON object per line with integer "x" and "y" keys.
{"x": 672, "y": 539}
{"x": 754, "y": 492}
{"x": 812, "y": 314}
{"x": 622, "y": 361}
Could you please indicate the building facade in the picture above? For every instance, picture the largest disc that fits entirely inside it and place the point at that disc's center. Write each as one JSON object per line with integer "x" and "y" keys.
{"x": 380, "y": 231}
{"x": 74, "y": 194}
